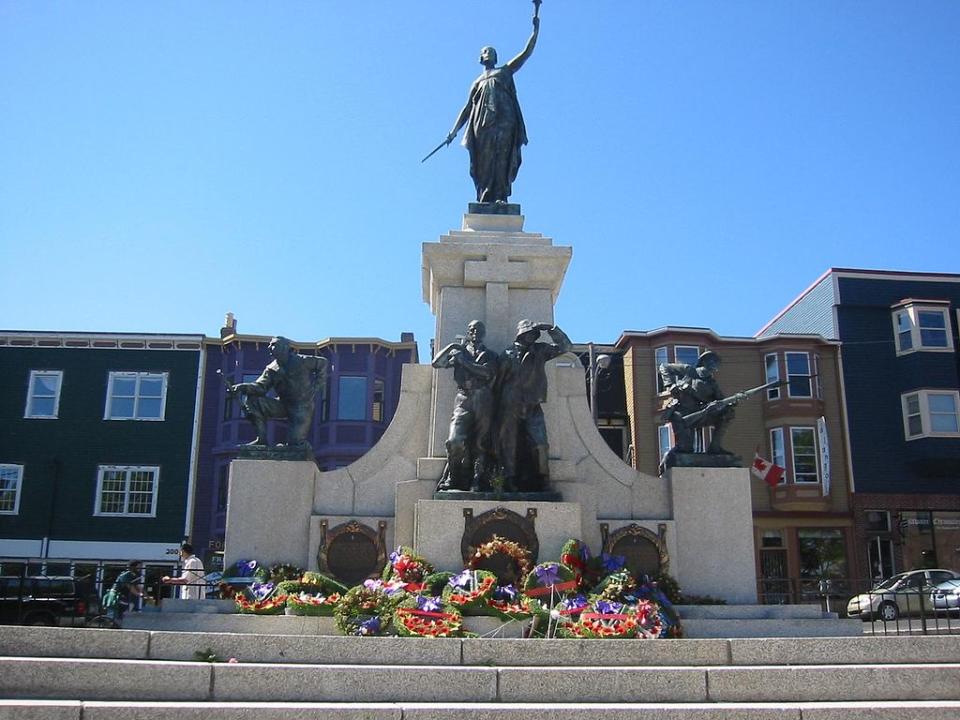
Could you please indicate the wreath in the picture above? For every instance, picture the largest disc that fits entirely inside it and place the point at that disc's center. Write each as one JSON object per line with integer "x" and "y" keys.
{"x": 607, "y": 619}
{"x": 434, "y": 583}
{"x": 273, "y": 605}
{"x": 470, "y": 589}
{"x": 507, "y": 603}
{"x": 620, "y": 586}
{"x": 367, "y": 609}
{"x": 313, "y": 604}
{"x": 576, "y": 555}
{"x": 517, "y": 554}
{"x": 549, "y": 583}
{"x": 423, "y": 616}
{"x": 280, "y": 572}
{"x": 407, "y": 567}
{"x": 311, "y": 583}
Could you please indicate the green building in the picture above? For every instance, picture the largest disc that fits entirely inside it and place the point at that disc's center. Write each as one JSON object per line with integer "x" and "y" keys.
{"x": 98, "y": 438}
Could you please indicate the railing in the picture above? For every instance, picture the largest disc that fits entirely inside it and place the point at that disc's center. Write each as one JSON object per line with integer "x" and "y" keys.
{"x": 884, "y": 612}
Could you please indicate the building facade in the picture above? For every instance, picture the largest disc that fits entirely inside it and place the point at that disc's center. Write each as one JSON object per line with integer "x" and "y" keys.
{"x": 361, "y": 397}
{"x": 901, "y": 382}
{"x": 803, "y": 528}
{"x": 97, "y": 446}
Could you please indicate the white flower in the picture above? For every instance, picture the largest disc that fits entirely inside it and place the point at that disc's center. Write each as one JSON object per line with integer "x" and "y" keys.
{"x": 554, "y": 614}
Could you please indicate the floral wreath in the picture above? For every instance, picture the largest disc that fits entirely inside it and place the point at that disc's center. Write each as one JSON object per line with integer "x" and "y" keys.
{"x": 260, "y": 606}
{"x": 548, "y": 584}
{"x": 309, "y": 604}
{"x": 620, "y": 586}
{"x": 522, "y": 561}
{"x": 368, "y": 609}
{"x": 608, "y": 619}
{"x": 576, "y": 555}
{"x": 424, "y": 616}
{"x": 407, "y": 567}
{"x": 470, "y": 589}
{"x": 507, "y": 603}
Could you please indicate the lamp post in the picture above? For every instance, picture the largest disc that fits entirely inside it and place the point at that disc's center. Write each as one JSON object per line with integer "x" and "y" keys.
{"x": 596, "y": 364}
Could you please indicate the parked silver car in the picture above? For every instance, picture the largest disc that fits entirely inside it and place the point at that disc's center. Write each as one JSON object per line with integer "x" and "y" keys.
{"x": 945, "y": 597}
{"x": 901, "y": 594}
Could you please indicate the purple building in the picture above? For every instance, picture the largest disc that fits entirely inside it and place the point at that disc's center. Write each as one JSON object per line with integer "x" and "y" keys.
{"x": 363, "y": 389}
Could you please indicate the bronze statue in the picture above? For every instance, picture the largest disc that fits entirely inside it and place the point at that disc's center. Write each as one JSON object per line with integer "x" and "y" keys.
{"x": 521, "y": 387}
{"x": 697, "y": 402}
{"x": 296, "y": 379}
{"x": 495, "y": 130}
{"x": 469, "y": 451}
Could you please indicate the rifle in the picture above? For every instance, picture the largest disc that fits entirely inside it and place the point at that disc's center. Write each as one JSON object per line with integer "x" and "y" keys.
{"x": 718, "y": 405}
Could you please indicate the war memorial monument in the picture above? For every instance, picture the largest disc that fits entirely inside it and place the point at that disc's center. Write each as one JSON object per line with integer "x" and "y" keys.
{"x": 496, "y": 436}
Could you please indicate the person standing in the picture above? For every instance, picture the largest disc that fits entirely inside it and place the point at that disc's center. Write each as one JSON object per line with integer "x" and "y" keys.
{"x": 191, "y": 580}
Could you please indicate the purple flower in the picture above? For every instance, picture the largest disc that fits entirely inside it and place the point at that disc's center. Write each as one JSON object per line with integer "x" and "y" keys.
{"x": 245, "y": 568}
{"x": 609, "y": 608}
{"x": 505, "y": 592}
{"x": 584, "y": 553}
{"x": 428, "y": 604}
{"x": 373, "y": 584}
{"x": 394, "y": 586}
{"x": 574, "y": 603}
{"x": 462, "y": 580}
{"x": 612, "y": 563}
{"x": 261, "y": 590}
{"x": 369, "y": 627}
{"x": 396, "y": 555}
{"x": 547, "y": 574}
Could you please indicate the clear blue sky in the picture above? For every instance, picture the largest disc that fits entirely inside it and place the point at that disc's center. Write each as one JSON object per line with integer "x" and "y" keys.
{"x": 706, "y": 160}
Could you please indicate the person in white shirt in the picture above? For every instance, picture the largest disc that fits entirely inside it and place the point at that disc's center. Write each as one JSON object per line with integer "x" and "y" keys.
{"x": 191, "y": 578}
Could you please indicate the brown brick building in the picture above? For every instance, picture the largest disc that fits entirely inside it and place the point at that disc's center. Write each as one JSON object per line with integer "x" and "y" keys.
{"x": 803, "y": 526}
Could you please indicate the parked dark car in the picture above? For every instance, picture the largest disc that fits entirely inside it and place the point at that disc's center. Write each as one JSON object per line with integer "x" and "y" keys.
{"x": 45, "y": 600}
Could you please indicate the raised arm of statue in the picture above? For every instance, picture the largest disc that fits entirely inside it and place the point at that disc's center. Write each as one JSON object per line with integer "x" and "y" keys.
{"x": 517, "y": 62}
{"x": 445, "y": 357}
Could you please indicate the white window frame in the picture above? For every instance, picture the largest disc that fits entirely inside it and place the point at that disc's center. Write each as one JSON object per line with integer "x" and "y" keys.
{"x": 912, "y": 312}
{"x": 128, "y": 469}
{"x": 786, "y": 366}
{"x": 138, "y": 377}
{"x": 664, "y": 433}
{"x": 926, "y": 426}
{"x": 778, "y": 452}
{"x": 774, "y": 392}
{"x": 27, "y": 411}
{"x": 661, "y": 356}
{"x": 16, "y": 489}
{"x": 793, "y": 455}
{"x": 676, "y": 355}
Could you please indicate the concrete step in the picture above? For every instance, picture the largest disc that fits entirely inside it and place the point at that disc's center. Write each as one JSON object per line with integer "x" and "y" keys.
{"x": 307, "y": 649}
{"x": 702, "y": 621}
{"x": 145, "y": 680}
{"x": 96, "y": 710}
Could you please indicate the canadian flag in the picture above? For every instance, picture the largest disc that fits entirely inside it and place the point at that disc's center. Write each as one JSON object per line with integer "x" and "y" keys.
{"x": 767, "y": 471}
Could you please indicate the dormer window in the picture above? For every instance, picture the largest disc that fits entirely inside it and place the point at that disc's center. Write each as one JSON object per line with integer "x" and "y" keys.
{"x": 922, "y": 325}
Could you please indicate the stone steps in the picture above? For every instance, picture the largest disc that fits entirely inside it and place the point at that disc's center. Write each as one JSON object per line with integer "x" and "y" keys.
{"x": 98, "y": 710}
{"x": 82, "y": 674}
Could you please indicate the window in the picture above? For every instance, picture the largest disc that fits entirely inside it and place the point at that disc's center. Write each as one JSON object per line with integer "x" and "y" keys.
{"x": 136, "y": 396}
{"x": 804, "y": 446}
{"x": 127, "y": 491}
{"x": 798, "y": 374}
{"x": 877, "y": 520}
{"x": 353, "y": 398}
{"x": 931, "y": 413}
{"x": 686, "y": 354}
{"x": 922, "y": 327}
{"x": 377, "y": 409}
{"x": 10, "y": 478}
{"x": 660, "y": 357}
{"x": 43, "y": 394}
{"x": 772, "y": 375}
{"x": 664, "y": 440}
{"x": 777, "y": 452}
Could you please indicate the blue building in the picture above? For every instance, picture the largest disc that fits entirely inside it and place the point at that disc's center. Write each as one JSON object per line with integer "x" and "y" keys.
{"x": 361, "y": 397}
{"x": 901, "y": 388}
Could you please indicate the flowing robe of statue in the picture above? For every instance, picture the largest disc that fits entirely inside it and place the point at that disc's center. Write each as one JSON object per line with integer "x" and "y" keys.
{"x": 494, "y": 135}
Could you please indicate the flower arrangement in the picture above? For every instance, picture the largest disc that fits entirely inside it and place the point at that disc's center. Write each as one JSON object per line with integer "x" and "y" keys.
{"x": 518, "y": 556}
{"x": 605, "y": 619}
{"x": 425, "y": 616}
{"x": 279, "y": 572}
{"x": 617, "y": 586}
{"x": 272, "y": 605}
{"x": 367, "y": 609}
{"x": 507, "y": 603}
{"x": 407, "y": 567}
{"x": 549, "y": 583}
{"x": 470, "y": 589}
{"x": 313, "y": 605}
{"x": 576, "y": 555}
{"x": 311, "y": 583}
{"x": 434, "y": 583}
